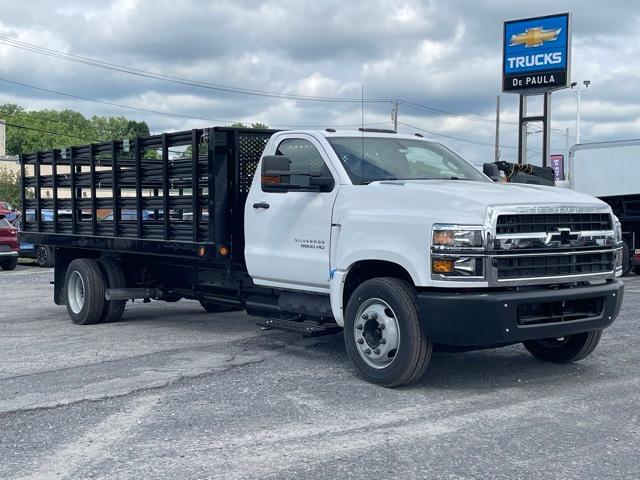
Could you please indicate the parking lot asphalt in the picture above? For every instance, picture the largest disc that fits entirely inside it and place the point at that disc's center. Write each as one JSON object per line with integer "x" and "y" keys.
{"x": 174, "y": 392}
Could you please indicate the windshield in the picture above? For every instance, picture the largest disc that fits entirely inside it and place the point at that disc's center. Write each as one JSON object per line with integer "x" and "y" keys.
{"x": 400, "y": 159}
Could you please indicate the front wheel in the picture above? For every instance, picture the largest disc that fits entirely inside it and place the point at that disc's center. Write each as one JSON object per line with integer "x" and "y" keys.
{"x": 567, "y": 349}
{"x": 383, "y": 335}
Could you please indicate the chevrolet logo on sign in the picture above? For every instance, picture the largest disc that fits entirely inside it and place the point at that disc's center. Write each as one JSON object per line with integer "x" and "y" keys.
{"x": 534, "y": 37}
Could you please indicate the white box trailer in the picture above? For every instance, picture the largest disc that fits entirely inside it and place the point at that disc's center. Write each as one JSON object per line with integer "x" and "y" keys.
{"x": 611, "y": 172}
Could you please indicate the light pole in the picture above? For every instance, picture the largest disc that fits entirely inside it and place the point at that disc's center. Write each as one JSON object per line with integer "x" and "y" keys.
{"x": 579, "y": 88}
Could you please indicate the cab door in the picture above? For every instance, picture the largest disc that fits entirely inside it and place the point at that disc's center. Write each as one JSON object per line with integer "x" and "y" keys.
{"x": 287, "y": 233}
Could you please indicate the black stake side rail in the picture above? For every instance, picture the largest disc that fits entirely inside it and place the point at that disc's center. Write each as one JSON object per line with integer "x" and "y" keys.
{"x": 144, "y": 189}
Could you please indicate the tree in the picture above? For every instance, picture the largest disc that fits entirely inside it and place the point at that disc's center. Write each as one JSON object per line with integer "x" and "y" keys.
{"x": 253, "y": 125}
{"x": 29, "y": 131}
{"x": 10, "y": 187}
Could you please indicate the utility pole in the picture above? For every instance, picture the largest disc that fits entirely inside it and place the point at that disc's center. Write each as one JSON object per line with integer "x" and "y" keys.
{"x": 394, "y": 115}
{"x": 497, "y": 154}
{"x": 3, "y": 138}
{"x": 579, "y": 89}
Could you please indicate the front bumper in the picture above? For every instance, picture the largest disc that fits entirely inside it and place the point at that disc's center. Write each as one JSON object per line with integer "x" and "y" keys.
{"x": 481, "y": 319}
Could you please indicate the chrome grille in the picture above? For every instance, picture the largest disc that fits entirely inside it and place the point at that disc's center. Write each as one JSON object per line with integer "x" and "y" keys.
{"x": 529, "y": 245}
{"x": 537, "y": 223}
{"x": 554, "y": 265}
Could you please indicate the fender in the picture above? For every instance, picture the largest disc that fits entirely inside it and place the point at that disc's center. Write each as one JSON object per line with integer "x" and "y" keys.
{"x": 339, "y": 275}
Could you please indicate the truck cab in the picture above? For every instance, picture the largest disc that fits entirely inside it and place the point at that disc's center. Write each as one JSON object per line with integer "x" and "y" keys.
{"x": 395, "y": 227}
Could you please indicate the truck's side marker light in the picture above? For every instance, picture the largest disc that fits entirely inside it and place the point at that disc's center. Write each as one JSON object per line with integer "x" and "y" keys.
{"x": 224, "y": 251}
{"x": 270, "y": 179}
{"x": 442, "y": 266}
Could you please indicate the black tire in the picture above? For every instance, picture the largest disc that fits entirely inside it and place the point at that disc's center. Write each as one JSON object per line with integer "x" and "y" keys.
{"x": 10, "y": 264}
{"x": 414, "y": 348}
{"x": 93, "y": 282}
{"x": 571, "y": 349}
{"x": 44, "y": 256}
{"x": 636, "y": 270}
{"x": 212, "y": 307}
{"x": 114, "y": 276}
{"x": 171, "y": 298}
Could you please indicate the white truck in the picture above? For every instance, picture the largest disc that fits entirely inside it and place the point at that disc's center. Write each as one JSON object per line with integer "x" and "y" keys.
{"x": 395, "y": 239}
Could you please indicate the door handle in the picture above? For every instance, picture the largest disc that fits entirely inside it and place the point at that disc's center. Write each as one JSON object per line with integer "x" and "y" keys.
{"x": 264, "y": 205}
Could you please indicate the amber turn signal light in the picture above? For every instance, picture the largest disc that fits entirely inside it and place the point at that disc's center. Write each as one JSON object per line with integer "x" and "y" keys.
{"x": 442, "y": 266}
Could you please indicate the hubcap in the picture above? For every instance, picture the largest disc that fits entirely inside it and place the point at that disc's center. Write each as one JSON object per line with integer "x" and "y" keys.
{"x": 75, "y": 292}
{"x": 42, "y": 256}
{"x": 376, "y": 333}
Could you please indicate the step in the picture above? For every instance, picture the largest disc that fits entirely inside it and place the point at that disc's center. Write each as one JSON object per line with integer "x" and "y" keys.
{"x": 307, "y": 328}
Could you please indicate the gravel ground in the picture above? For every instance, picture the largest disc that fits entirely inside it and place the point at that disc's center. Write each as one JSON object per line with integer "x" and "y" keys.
{"x": 174, "y": 392}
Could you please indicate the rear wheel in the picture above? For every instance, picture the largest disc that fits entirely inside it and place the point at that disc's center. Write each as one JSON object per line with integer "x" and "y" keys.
{"x": 115, "y": 278}
{"x": 44, "y": 256}
{"x": 10, "y": 264}
{"x": 567, "y": 349}
{"x": 84, "y": 288}
{"x": 383, "y": 335}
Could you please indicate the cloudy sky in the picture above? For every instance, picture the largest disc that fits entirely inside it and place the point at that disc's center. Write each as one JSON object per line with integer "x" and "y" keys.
{"x": 443, "y": 55}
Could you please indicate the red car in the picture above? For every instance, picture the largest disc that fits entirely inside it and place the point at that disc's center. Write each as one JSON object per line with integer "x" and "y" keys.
{"x": 9, "y": 244}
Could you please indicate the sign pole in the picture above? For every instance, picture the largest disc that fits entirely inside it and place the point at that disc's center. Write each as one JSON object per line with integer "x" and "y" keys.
{"x": 522, "y": 131}
{"x": 546, "y": 129}
{"x": 497, "y": 152}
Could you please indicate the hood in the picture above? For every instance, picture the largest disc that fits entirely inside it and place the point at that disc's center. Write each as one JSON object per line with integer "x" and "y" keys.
{"x": 493, "y": 194}
{"x": 449, "y": 201}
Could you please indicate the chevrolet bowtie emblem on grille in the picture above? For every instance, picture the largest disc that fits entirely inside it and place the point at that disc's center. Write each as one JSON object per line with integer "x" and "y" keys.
{"x": 564, "y": 235}
{"x": 534, "y": 37}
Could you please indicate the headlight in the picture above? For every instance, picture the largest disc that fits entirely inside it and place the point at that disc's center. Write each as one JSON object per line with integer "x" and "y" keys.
{"x": 617, "y": 227}
{"x": 457, "y": 251}
{"x": 456, "y": 237}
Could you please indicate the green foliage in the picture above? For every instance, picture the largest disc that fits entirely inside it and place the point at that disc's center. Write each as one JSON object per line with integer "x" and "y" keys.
{"x": 47, "y": 129}
{"x": 253, "y": 125}
{"x": 10, "y": 187}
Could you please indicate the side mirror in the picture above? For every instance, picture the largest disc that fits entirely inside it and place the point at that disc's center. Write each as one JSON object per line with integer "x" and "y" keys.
{"x": 492, "y": 171}
{"x": 277, "y": 176}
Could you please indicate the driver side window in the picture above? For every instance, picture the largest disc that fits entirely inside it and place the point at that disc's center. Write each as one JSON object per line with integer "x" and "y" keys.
{"x": 304, "y": 156}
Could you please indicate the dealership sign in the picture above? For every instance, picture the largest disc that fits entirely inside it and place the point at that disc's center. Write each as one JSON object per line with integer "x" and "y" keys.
{"x": 536, "y": 54}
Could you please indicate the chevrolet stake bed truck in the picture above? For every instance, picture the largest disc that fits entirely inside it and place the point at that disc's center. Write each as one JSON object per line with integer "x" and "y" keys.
{"x": 395, "y": 239}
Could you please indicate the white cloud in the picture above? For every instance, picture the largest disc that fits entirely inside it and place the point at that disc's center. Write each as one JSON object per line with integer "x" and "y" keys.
{"x": 441, "y": 53}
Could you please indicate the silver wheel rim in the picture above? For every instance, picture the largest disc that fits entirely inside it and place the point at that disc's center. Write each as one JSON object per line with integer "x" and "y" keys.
{"x": 41, "y": 256}
{"x": 376, "y": 333}
{"x": 75, "y": 292}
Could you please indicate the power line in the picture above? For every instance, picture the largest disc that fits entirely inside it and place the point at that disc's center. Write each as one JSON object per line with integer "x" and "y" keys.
{"x": 5, "y": 40}
{"x": 39, "y": 130}
{"x": 453, "y": 114}
{"x": 452, "y": 137}
{"x": 171, "y": 114}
